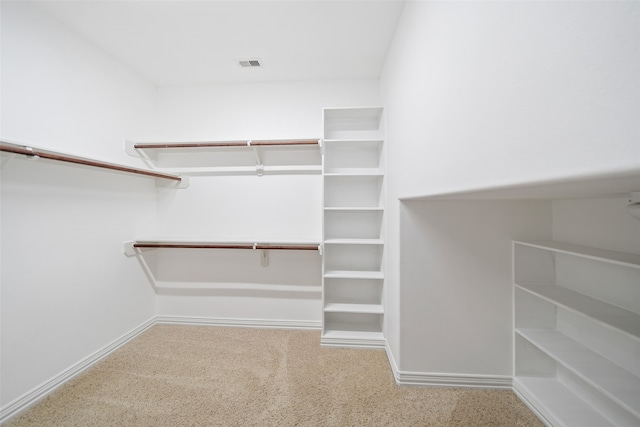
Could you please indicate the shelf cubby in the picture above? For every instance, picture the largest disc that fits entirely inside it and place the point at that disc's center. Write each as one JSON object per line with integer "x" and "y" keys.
{"x": 363, "y": 224}
{"x": 353, "y": 156}
{"x": 353, "y": 123}
{"x": 353, "y": 191}
{"x": 350, "y": 291}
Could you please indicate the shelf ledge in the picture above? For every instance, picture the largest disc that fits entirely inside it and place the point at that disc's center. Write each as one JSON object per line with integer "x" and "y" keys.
{"x": 354, "y": 242}
{"x": 559, "y": 405}
{"x": 605, "y": 313}
{"x": 343, "y": 274}
{"x": 612, "y": 257}
{"x": 617, "y": 383}
{"x": 354, "y": 308}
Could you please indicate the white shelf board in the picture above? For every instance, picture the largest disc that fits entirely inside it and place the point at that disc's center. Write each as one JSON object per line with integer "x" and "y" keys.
{"x": 354, "y": 242}
{"x": 343, "y": 274}
{"x": 339, "y": 142}
{"x": 613, "y": 257}
{"x": 245, "y": 170}
{"x": 353, "y": 308}
{"x": 267, "y": 287}
{"x": 605, "y": 313}
{"x": 340, "y": 338}
{"x": 619, "y": 384}
{"x": 356, "y": 172}
{"x": 560, "y": 403}
{"x": 355, "y": 209}
{"x": 346, "y": 334}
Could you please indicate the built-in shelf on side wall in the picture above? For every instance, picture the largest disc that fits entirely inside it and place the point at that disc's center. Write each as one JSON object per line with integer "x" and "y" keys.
{"x": 246, "y": 157}
{"x": 577, "y": 333}
{"x": 37, "y": 153}
{"x": 353, "y": 239}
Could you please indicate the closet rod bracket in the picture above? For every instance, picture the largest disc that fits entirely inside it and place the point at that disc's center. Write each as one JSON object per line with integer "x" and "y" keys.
{"x": 183, "y": 183}
{"x": 128, "y": 248}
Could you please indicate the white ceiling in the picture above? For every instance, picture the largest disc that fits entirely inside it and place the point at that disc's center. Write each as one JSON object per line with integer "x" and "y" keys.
{"x": 199, "y": 42}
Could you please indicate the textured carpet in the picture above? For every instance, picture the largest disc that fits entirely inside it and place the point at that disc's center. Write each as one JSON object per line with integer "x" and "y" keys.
{"x": 215, "y": 376}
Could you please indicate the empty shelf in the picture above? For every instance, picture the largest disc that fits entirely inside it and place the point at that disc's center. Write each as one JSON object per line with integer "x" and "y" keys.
{"x": 561, "y": 403}
{"x": 617, "y": 383}
{"x": 343, "y": 274}
{"x": 353, "y": 308}
{"x": 610, "y": 315}
{"x": 354, "y": 242}
{"x": 355, "y": 209}
{"x": 620, "y": 258}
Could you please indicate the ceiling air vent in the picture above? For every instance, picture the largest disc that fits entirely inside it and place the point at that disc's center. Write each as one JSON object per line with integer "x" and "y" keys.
{"x": 249, "y": 63}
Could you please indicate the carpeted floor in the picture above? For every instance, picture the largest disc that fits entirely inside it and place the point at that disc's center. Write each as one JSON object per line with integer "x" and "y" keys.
{"x": 214, "y": 376}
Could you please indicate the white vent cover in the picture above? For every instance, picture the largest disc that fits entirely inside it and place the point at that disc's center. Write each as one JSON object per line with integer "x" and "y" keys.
{"x": 249, "y": 63}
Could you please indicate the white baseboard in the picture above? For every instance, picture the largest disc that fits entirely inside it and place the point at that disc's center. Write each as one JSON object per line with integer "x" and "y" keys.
{"x": 26, "y": 400}
{"x": 447, "y": 380}
{"x": 244, "y": 323}
{"x": 533, "y": 404}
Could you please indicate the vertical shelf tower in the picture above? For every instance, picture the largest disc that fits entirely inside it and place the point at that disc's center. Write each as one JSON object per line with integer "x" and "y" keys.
{"x": 353, "y": 236}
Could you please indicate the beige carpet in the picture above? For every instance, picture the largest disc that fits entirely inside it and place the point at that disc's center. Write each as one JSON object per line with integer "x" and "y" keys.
{"x": 214, "y": 376}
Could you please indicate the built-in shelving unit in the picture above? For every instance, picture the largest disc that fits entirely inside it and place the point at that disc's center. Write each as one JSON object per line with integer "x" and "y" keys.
{"x": 353, "y": 240}
{"x": 577, "y": 333}
{"x": 261, "y": 157}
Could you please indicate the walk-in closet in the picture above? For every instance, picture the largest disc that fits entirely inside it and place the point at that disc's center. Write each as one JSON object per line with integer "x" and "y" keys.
{"x": 363, "y": 209}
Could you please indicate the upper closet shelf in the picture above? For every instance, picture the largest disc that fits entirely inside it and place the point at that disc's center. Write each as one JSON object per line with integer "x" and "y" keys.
{"x": 246, "y": 157}
{"x": 612, "y": 257}
{"x": 37, "y": 153}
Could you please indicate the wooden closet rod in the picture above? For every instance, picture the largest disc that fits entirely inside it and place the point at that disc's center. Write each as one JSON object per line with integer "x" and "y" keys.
{"x": 225, "y": 246}
{"x": 32, "y": 152}
{"x": 226, "y": 144}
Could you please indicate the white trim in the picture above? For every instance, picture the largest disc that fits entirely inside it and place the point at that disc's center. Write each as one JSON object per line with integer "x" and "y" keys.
{"x": 26, "y": 400}
{"x": 533, "y": 404}
{"x": 447, "y": 380}
{"x": 392, "y": 363}
{"x": 372, "y": 344}
{"x": 244, "y": 323}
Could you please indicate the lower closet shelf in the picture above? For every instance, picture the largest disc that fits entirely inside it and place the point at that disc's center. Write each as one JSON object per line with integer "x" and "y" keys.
{"x": 353, "y": 308}
{"x": 367, "y": 339}
{"x": 343, "y": 274}
{"x": 619, "y": 384}
{"x": 558, "y": 403}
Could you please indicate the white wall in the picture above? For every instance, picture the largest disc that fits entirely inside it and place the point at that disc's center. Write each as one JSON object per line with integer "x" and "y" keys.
{"x": 67, "y": 289}
{"x": 267, "y": 208}
{"x": 484, "y": 94}
{"x": 598, "y": 222}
